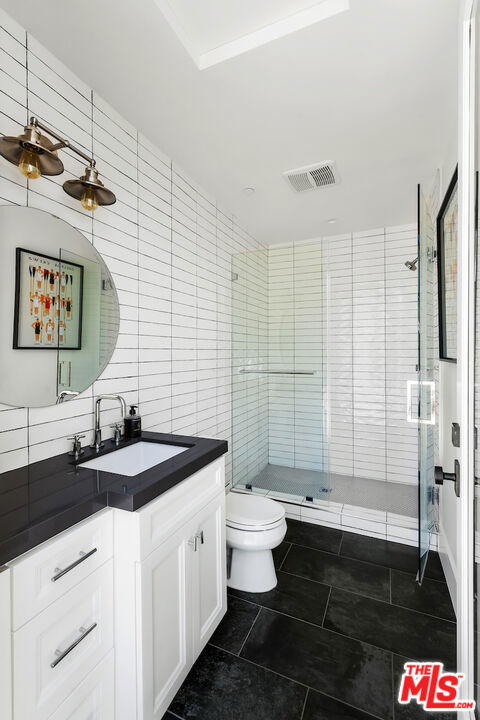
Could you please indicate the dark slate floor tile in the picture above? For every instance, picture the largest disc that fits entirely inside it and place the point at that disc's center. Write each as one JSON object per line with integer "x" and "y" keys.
{"x": 346, "y": 669}
{"x": 412, "y": 711}
{"x": 402, "y": 631}
{"x": 389, "y": 554}
{"x": 321, "y": 707}
{"x": 279, "y": 554}
{"x": 294, "y": 596}
{"x": 235, "y": 626}
{"x": 431, "y": 597}
{"x": 342, "y": 572}
{"x": 314, "y": 536}
{"x": 169, "y": 716}
{"x": 222, "y": 686}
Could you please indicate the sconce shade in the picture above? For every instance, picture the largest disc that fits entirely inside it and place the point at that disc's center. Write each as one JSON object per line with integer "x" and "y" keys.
{"x": 90, "y": 182}
{"x": 12, "y": 148}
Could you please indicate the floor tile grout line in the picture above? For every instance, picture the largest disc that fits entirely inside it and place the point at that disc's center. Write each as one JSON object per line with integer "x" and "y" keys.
{"x": 390, "y": 584}
{"x": 251, "y": 628}
{"x": 296, "y": 682}
{"x": 304, "y": 703}
{"x": 405, "y": 572}
{"x": 348, "y": 557}
{"x": 430, "y": 579}
{"x": 337, "y": 587}
{"x": 285, "y": 557}
{"x": 341, "y": 543}
{"x": 326, "y": 607}
{"x": 321, "y": 627}
{"x": 369, "y": 597}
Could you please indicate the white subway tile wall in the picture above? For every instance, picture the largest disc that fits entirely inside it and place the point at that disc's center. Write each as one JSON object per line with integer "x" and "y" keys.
{"x": 296, "y": 343}
{"x": 167, "y": 244}
{"x": 372, "y": 353}
{"x": 344, "y": 307}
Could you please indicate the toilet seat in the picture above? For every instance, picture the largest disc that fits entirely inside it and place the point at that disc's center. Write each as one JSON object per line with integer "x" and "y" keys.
{"x": 253, "y": 513}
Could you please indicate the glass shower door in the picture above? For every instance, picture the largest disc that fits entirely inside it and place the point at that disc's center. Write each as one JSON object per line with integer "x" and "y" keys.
{"x": 426, "y": 383}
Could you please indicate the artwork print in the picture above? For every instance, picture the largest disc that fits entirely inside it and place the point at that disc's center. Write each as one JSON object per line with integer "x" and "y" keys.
{"x": 48, "y": 302}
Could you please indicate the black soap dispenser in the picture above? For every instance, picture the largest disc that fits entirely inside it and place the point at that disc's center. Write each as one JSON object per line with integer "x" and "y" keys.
{"x": 133, "y": 424}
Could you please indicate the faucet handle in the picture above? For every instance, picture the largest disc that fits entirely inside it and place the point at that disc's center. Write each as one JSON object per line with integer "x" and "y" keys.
{"x": 117, "y": 432}
{"x": 76, "y": 450}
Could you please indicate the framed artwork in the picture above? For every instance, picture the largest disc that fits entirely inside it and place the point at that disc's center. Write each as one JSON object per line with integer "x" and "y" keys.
{"x": 48, "y": 302}
{"x": 447, "y": 239}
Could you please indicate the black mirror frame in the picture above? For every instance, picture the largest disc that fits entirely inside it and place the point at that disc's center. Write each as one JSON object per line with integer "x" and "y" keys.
{"x": 441, "y": 280}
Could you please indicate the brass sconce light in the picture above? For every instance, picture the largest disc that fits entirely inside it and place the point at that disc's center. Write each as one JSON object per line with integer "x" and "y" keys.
{"x": 36, "y": 155}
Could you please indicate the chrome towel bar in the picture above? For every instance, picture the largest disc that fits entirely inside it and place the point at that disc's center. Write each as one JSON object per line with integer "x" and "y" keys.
{"x": 277, "y": 372}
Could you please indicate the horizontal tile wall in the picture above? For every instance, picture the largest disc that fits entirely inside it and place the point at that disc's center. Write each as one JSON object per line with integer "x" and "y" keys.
{"x": 372, "y": 353}
{"x": 346, "y": 307}
{"x": 250, "y": 353}
{"x": 166, "y": 242}
{"x": 296, "y": 343}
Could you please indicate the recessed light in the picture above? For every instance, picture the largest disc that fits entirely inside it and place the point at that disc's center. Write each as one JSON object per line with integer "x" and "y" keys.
{"x": 248, "y": 190}
{"x": 332, "y": 221}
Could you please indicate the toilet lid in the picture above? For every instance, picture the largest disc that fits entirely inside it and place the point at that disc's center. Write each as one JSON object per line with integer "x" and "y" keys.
{"x": 252, "y": 510}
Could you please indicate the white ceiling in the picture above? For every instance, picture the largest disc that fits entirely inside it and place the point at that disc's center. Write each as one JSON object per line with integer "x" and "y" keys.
{"x": 372, "y": 88}
{"x": 240, "y": 26}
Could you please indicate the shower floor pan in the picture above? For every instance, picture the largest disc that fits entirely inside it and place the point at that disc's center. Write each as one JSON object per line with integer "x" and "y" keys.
{"x": 365, "y": 493}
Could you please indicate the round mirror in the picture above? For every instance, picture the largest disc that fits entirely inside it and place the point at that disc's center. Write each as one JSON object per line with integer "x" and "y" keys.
{"x": 59, "y": 312}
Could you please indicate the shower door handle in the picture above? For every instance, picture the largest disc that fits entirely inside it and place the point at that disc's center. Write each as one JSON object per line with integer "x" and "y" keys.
{"x": 420, "y": 384}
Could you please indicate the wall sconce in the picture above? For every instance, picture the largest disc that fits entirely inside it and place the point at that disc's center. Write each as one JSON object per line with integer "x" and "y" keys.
{"x": 36, "y": 155}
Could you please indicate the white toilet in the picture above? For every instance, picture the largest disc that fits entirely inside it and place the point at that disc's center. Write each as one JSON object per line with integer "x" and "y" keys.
{"x": 255, "y": 525}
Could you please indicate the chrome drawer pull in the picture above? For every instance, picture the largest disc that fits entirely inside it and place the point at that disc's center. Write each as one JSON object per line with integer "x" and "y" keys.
{"x": 83, "y": 556}
{"x": 60, "y": 655}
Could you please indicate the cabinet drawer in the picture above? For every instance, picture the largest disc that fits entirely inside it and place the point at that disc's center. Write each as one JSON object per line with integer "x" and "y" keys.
{"x": 94, "y": 698}
{"x": 56, "y": 650}
{"x": 43, "y": 575}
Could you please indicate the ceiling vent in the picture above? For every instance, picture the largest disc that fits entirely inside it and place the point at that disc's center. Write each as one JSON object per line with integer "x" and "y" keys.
{"x": 313, "y": 176}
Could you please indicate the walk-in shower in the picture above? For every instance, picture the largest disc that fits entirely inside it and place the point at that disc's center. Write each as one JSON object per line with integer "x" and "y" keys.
{"x": 324, "y": 344}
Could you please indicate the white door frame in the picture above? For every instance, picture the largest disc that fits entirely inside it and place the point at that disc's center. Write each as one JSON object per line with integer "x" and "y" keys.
{"x": 466, "y": 344}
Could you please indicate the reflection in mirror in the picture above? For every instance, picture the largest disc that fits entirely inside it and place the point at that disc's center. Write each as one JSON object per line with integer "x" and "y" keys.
{"x": 59, "y": 312}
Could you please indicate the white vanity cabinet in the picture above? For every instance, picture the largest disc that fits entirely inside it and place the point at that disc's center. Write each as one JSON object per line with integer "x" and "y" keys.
{"x": 105, "y": 620}
{"x": 61, "y": 626}
{"x": 170, "y": 574}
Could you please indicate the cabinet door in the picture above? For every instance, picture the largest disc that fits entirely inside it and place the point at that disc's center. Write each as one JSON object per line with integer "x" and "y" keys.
{"x": 209, "y": 572}
{"x": 163, "y": 624}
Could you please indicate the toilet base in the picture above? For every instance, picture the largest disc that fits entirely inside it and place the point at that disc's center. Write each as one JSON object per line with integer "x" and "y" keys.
{"x": 252, "y": 571}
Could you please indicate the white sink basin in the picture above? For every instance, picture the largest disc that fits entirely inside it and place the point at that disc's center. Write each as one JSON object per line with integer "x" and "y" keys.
{"x": 134, "y": 459}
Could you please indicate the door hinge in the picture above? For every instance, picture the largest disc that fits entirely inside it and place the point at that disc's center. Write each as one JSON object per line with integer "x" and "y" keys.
{"x": 441, "y": 476}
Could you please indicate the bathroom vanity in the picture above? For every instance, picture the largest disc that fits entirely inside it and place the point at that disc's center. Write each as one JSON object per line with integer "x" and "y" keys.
{"x": 112, "y": 584}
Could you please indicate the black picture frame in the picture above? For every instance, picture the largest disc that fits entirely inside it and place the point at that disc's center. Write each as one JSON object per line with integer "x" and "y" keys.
{"x": 444, "y": 353}
{"x": 18, "y": 290}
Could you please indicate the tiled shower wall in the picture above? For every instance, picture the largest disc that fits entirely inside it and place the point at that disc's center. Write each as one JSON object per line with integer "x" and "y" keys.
{"x": 346, "y": 308}
{"x": 372, "y": 353}
{"x": 166, "y": 242}
{"x": 296, "y": 342}
{"x": 250, "y": 353}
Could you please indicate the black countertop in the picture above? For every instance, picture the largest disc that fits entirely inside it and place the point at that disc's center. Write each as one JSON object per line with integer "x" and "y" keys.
{"x": 40, "y": 500}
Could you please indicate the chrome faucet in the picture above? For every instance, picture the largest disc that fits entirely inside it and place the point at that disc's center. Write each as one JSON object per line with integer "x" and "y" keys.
{"x": 97, "y": 442}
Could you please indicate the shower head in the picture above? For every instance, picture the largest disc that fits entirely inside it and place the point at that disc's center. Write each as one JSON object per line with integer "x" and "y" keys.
{"x": 412, "y": 264}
